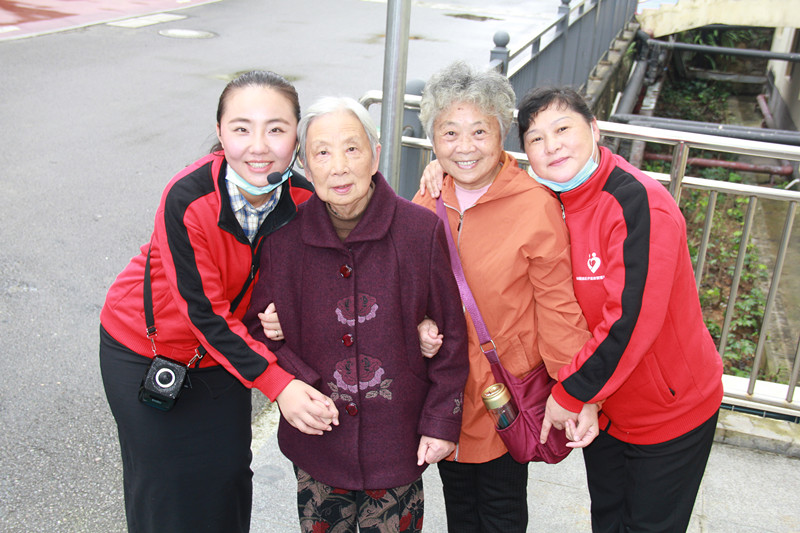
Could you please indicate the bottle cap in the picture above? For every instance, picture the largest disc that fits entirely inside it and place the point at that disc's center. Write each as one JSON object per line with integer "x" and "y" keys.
{"x": 495, "y": 396}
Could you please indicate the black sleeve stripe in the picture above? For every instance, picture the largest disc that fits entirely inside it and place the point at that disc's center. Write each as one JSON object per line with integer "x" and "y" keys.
{"x": 631, "y": 195}
{"x": 190, "y": 284}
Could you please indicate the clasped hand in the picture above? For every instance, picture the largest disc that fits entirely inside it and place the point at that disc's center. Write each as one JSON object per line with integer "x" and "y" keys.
{"x": 581, "y": 428}
{"x": 307, "y": 409}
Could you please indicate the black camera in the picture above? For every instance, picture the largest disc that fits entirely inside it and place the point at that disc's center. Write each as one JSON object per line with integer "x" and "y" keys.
{"x": 162, "y": 383}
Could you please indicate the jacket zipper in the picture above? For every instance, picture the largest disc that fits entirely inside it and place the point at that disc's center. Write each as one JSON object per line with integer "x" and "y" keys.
{"x": 460, "y": 223}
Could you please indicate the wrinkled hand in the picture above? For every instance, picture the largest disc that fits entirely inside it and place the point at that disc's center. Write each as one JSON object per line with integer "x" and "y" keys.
{"x": 430, "y": 340}
{"x": 306, "y": 408}
{"x": 587, "y": 429}
{"x": 431, "y": 180}
{"x": 271, "y": 324}
{"x": 433, "y": 450}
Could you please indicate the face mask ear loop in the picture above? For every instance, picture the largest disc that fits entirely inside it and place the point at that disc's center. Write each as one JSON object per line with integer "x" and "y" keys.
{"x": 594, "y": 143}
{"x": 294, "y": 159}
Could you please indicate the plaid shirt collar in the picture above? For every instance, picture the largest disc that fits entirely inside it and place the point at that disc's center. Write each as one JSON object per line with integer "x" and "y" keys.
{"x": 249, "y": 217}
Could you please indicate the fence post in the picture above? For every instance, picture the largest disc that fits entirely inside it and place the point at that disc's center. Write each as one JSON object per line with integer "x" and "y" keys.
{"x": 680, "y": 157}
{"x": 562, "y": 29}
{"x": 411, "y": 159}
{"x": 499, "y": 54}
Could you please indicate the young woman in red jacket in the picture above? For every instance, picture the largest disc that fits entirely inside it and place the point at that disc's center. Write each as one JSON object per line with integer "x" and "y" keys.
{"x": 188, "y": 469}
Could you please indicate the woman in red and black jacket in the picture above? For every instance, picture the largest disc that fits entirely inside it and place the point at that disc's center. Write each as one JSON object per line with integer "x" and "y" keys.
{"x": 651, "y": 362}
{"x": 188, "y": 469}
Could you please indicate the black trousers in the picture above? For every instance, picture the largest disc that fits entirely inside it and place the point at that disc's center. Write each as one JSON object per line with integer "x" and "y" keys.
{"x": 187, "y": 469}
{"x": 489, "y": 497}
{"x": 646, "y": 488}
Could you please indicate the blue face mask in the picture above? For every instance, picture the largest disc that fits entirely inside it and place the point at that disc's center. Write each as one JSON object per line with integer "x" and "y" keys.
{"x": 583, "y": 174}
{"x": 275, "y": 180}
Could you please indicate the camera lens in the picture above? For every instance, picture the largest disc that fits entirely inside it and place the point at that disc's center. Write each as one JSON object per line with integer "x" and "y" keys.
{"x": 165, "y": 378}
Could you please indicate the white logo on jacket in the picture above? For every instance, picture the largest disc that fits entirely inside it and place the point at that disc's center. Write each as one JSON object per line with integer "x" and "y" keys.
{"x": 593, "y": 263}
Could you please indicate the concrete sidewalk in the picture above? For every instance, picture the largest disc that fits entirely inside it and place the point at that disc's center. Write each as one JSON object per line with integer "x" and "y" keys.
{"x": 745, "y": 489}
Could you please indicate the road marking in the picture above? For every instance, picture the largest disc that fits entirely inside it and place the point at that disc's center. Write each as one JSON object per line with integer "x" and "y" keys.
{"x": 180, "y": 33}
{"x": 147, "y": 20}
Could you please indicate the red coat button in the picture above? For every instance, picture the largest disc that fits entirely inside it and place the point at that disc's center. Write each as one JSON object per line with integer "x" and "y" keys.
{"x": 345, "y": 271}
{"x": 347, "y": 339}
{"x": 352, "y": 409}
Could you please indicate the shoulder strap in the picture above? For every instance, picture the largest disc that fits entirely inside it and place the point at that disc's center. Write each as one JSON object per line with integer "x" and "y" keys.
{"x": 487, "y": 344}
{"x": 150, "y": 320}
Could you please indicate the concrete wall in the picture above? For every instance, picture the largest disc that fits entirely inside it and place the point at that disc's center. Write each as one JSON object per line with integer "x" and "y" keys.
{"x": 687, "y": 14}
{"x": 784, "y": 82}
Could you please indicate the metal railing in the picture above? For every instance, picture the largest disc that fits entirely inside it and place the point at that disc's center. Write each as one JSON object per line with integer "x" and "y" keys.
{"x": 565, "y": 52}
{"x": 749, "y": 393}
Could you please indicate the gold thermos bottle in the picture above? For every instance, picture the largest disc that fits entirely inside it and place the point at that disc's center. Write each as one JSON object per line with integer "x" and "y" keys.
{"x": 500, "y": 404}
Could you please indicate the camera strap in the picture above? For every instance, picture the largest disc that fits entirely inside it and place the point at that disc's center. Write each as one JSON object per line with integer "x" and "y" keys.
{"x": 150, "y": 320}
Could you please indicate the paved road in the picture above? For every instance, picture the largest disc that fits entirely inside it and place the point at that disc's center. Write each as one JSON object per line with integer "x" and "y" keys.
{"x": 743, "y": 491}
{"x": 38, "y": 17}
{"x": 95, "y": 122}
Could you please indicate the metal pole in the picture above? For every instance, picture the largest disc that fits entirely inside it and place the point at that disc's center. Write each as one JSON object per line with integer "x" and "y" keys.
{"x": 395, "y": 59}
{"x": 773, "y": 292}
{"x": 708, "y": 49}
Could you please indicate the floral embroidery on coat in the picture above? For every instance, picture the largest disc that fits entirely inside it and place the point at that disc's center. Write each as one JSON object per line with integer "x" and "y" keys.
{"x": 352, "y": 376}
{"x": 364, "y": 308}
{"x": 459, "y": 402}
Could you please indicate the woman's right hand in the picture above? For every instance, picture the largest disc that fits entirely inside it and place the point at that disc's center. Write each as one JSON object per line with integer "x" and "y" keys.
{"x": 306, "y": 408}
{"x": 431, "y": 180}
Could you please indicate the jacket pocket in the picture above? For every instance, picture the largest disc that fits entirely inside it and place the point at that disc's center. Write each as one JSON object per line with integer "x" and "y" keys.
{"x": 660, "y": 382}
{"x": 645, "y": 389}
{"x": 514, "y": 356}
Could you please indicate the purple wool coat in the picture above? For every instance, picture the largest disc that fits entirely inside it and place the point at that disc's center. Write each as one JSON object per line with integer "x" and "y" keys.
{"x": 349, "y": 313}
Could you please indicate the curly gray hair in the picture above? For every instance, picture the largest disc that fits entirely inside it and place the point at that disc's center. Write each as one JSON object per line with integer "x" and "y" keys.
{"x": 489, "y": 91}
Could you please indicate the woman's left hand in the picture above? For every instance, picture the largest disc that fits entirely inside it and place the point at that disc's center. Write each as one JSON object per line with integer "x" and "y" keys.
{"x": 433, "y": 450}
{"x": 587, "y": 429}
{"x": 430, "y": 340}
{"x": 271, "y": 324}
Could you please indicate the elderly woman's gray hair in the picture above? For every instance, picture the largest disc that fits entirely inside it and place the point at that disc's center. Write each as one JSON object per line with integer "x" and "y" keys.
{"x": 488, "y": 90}
{"x": 332, "y": 104}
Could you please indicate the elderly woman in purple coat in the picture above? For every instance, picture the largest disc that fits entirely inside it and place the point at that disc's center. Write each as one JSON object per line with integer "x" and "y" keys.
{"x": 351, "y": 277}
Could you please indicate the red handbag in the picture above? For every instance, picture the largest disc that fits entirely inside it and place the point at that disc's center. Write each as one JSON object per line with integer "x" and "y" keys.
{"x": 530, "y": 393}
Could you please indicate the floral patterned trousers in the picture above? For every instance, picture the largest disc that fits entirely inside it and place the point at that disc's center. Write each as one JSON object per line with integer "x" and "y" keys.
{"x": 326, "y": 509}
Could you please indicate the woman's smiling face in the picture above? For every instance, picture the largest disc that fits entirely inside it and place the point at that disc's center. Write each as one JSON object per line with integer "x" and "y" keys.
{"x": 258, "y": 131}
{"x": 559, "y": 142}
{"x": 468, "y": 145}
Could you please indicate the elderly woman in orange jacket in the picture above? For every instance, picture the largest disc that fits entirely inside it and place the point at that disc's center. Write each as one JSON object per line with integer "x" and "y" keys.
{"x": 514, "y": 248}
